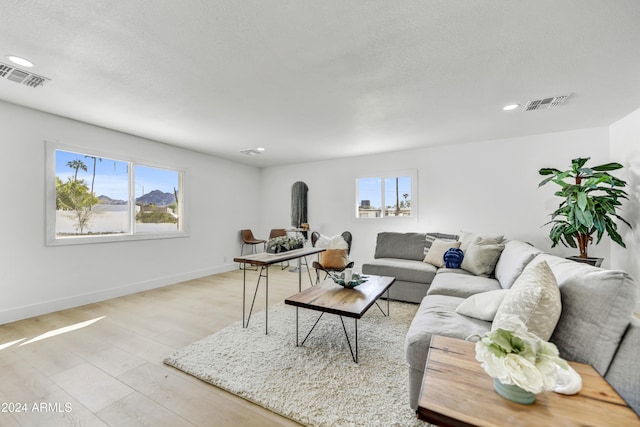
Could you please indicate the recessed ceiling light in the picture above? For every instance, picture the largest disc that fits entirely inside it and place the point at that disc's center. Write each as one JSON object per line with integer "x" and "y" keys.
{"x": 510, "y": 107}
{"x": 20, "y": 61}
{"x": 260, "y": 149}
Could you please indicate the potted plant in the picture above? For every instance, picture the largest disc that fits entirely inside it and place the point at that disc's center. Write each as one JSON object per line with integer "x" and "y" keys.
{"x": 284, "y": 244}
{"x": 590, "y": 203}
{"x": 521, "y": 364}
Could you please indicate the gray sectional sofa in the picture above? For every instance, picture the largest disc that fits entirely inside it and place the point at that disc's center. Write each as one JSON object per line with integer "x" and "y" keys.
{"x": 595, "y": 325}
{"x": 401, "y": 255}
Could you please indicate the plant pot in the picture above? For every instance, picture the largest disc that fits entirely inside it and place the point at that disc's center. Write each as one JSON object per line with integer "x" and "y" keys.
{"x": 280, "y": 249}
{"x": 514, "y": 393}
{"x": 596, "y": 262}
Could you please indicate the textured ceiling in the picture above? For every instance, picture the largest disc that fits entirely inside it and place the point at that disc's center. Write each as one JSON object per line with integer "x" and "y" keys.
{"x": 311, "y": 80}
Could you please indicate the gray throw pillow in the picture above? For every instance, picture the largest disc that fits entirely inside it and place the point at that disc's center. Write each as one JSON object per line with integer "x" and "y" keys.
{"x": 400, "y": 245}
{"x": 482, "y": 254}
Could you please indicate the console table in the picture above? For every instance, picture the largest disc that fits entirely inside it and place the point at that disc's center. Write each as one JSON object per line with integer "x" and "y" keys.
{"x": 264, "y": 260}
{"x": 456, "y": 391}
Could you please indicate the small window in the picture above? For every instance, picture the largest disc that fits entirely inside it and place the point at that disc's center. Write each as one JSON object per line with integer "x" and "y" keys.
{"x": 385, "y": 196}
{"x": 99, "y": 198}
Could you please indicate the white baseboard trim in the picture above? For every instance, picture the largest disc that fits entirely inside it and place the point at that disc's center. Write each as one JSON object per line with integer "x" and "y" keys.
{"x": 44, "y": 307}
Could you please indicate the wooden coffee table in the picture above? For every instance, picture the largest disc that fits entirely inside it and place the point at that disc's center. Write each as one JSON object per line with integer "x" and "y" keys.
{"x": 329, "y": 297}
{"x": 456, "y": 391}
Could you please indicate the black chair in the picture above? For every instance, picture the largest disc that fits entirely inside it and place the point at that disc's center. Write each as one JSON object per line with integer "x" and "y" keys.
{"x": 319, "y": 267}
{"x": 249, "y": 239}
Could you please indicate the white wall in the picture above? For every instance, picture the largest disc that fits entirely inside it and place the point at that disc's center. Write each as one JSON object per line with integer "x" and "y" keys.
{"x": 35, "y": 278}
{"x": 483, "y": 187}
{"x": 625, "y": 149}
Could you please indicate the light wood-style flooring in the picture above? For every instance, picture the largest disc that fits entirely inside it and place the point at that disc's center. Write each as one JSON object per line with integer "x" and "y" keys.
{"x": 101, "y": 364}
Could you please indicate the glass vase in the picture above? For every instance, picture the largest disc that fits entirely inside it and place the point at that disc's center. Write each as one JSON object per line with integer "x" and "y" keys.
{"x": 514, "y": 393}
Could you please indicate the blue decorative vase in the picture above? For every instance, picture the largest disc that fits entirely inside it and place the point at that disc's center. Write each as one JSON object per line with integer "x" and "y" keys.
{"x": 514, "y": 393}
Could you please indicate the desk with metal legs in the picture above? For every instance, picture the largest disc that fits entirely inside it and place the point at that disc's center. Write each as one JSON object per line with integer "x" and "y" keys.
{"x": 264, "y": 260}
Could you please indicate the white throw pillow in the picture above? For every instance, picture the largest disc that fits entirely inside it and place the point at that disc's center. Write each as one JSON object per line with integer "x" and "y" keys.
{"x": 335, "y": 242}
{"x": 435, "y": 256}
{"x": 338, "y": 242}
{"x": 482, "y": 306}
{"x": 535, "y": 299}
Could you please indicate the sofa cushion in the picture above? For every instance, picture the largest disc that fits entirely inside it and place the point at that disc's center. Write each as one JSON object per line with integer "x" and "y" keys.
{"x": 437, "y": 315}
{"x": 513, "y": 259}
{"x": 400, "y": 245}
{"x": 482, "y": 254}
{"x": 623, "y": 373}
{"x": 482, "y": 306}
{"x": 597, "y": 305}
{"x": 461, "y": 285}
{"x": 435, "y": 255}
{"x": 447, "y": 270}
{"x": 535, "y": 299}
{"x": 402, "y": 269}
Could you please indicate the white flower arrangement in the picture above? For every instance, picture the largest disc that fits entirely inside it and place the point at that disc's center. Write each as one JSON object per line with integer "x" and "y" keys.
{"x": 515, "y": 356}
{"x": 284, "y": 243}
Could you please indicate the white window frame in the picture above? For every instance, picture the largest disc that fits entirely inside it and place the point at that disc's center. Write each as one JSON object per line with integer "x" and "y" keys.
{"x": 412, "y": 173}
{"x": 50, "y": 198}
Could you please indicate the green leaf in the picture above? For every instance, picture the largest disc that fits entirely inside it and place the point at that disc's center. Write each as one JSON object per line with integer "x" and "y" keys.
{"x": 613, "y": 233}
{"x": 548, "y": 171}
{"x": 584, "y": 217}
{"x": 578, "y": 163}
{"x": 544, "y": 181}
{"x": 617, "y": 182}
{"x": 607, "y": 167}
{"x": 582, "y": 200}
{"x": 585, "y": 171}
{"x": 623, "y": 220}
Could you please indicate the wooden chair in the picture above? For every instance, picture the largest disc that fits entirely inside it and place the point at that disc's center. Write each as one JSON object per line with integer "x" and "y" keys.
{"x": 319, "y": 267}
{"x": 249, "y": 239}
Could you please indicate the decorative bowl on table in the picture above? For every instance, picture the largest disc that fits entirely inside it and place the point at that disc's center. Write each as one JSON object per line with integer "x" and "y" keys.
{"x": 356, "y": 279}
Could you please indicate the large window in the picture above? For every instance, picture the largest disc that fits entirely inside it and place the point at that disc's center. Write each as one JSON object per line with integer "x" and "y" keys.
{"x": 388, "y": 195}
{"x": 92, "y": 197}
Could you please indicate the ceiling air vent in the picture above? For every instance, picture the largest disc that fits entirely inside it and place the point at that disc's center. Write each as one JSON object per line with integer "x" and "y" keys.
{"x": 20, "y": 76}
{"x": 544, "y": 103}
{"x": 251, "y": 152}
{"x": 4, "y": 69}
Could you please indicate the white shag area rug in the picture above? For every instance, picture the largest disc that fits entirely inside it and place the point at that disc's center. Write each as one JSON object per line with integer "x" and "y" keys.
{"x": 317, "y": 384}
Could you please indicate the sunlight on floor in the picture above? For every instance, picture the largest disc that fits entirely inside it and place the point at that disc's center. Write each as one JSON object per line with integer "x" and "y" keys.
{"x": 64, "y": 330}
{"x": 9, "y": 344}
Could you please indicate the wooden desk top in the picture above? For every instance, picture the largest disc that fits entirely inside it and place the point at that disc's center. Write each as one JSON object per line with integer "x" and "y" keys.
{"x": 349, "y": 302}
{"x": 456, "y": 391}
{"x": 264, "y": 258}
